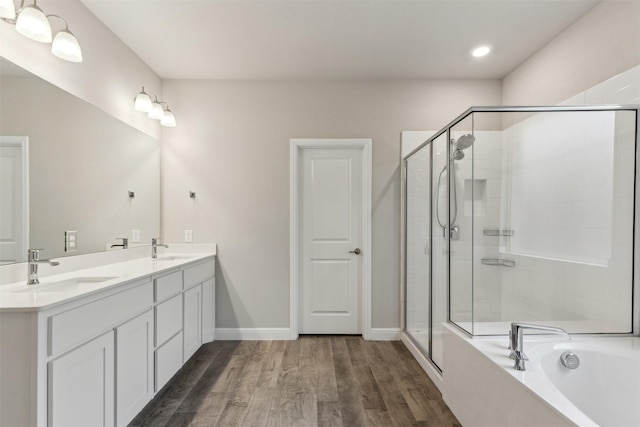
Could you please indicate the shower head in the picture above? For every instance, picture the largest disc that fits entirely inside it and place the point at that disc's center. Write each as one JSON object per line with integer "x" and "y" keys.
{"x": 465, "y": 141}
{"x": 458, "y": 154}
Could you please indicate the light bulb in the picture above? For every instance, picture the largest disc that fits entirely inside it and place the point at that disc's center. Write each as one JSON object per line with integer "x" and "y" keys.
{"x": 142, "y": 102}
{"x": 65, "y": 46}
{"x": 33, "y": 24}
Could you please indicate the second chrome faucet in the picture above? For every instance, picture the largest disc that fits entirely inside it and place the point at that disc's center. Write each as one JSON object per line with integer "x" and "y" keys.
{"x": 154, "y": 247}
{"x": 516, "y": 344}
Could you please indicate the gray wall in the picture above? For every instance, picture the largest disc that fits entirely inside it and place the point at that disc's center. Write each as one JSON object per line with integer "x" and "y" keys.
{"x": 603, "y": 43}
{"x": 231, "y": 146}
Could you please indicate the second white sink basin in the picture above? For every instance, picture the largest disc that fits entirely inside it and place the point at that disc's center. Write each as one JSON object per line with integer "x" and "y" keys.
{"x": 65, "y": 285}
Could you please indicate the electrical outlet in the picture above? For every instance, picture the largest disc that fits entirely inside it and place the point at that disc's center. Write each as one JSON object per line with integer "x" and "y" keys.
{"x": 70, "y": 241}
{"x": 188, "y": 236}
{"x": 135, "y": 236}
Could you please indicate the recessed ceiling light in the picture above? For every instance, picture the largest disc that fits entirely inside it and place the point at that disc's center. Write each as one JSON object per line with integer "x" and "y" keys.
{"x": 481, "y": 51}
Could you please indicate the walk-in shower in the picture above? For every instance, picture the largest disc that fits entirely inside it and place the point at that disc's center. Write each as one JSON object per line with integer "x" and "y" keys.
{"x": 521, "y": 214}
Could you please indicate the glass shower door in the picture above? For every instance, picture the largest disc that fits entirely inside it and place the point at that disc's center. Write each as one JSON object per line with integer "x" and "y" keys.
{"x": 418, "y": 243}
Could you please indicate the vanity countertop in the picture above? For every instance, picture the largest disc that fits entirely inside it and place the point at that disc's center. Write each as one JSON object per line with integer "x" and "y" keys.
{"x": 62, "y": 288}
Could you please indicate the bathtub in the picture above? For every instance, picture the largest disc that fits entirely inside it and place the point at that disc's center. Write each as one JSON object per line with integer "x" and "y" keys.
{"x": 606, "y": 384}
{"x": 482, "y": 388}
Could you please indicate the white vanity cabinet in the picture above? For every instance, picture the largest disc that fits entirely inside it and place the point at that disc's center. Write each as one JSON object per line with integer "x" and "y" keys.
{"x": 134, "y": 366}
{"x": 168, "y": 334}
{"x": 199, "y": 303}
{"x": 100, "y": 368}
{"x": 98, "y": 359}
{"x": 81, "y": 385}
{"x": 185, "y": 318}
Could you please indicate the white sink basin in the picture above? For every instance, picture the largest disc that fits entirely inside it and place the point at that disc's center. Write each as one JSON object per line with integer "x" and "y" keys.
{"x": 65, "y": 285}
{"x": 172, "y": 258}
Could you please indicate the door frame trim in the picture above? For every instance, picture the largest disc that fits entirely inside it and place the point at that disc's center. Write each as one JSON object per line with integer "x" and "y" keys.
{"x": 296, "y": 147}
{"x": 22, "y": 142}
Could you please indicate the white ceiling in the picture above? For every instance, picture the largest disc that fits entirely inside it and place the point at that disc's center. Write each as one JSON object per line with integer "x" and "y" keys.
{"x": 335, "y": 39}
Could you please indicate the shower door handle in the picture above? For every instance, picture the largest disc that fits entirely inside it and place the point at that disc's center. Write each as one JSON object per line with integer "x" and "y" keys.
{"x": 356, "y": 251}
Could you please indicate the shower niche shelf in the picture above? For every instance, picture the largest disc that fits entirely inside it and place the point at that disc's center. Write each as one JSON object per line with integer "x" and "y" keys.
{"x": 498, "y": 262}
{"x": 498, "y": 233}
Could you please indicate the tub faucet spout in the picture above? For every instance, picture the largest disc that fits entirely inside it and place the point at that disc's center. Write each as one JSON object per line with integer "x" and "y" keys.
{"x": 516, "y": 344}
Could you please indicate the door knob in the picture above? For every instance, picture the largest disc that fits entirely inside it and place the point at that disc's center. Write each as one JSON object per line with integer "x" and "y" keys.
{"x": 356, "y": 251}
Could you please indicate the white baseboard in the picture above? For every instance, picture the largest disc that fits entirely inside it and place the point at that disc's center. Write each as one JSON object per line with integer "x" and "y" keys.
{"x": 256, "y": 334}
{"x": 426, "y": 365}
{"x": 252, "y": 334}
{"x": 384, "y": 334}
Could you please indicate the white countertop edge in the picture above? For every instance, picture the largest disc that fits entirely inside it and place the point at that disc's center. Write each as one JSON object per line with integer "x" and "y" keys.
{"x": 20, "y": 297}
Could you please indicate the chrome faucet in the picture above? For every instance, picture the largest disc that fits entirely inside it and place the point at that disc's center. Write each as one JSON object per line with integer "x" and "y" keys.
{"x": 33, "y": 259}
{"x": 124, "y": 245}
{"x": 517, "y": 346}
{"x": 154, "y": 247}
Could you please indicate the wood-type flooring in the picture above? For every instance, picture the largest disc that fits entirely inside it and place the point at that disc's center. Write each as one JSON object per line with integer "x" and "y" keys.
{"x": 313, "y": 381}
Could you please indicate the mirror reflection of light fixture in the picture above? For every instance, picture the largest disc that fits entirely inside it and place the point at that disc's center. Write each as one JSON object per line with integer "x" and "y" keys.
{"x": 31, "y": 22}
{"x": 142, "y": 102}
{"x": 154, "y": 108}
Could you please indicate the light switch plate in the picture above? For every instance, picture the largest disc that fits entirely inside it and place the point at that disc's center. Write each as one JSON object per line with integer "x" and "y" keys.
{"x": 70, "y": 241}
{"x": 188, "y": 236}
{"x": 135, "y": 236}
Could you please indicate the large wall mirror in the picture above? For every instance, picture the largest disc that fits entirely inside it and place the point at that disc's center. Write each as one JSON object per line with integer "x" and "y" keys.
{"x": 66, "y": 165}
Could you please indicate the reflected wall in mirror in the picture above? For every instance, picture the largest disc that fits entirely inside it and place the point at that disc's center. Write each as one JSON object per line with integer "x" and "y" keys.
{"x": 82, "y": 163}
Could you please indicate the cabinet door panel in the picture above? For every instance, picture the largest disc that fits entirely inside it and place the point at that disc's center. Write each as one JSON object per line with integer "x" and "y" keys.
{"x": 134, "y": 363}
{"x": 81, "y": 385}
{"x": 168, "y": 319}
{"x": 192, "y": 326}
{"x": 168, "y": 360}
{"x": 208, "y": 310}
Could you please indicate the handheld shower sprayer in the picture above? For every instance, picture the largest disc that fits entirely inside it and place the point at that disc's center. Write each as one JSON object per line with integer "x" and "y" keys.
{"x": 457, "y": 146}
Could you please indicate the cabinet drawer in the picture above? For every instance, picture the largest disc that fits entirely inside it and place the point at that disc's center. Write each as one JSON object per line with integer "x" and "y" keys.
{"x": 70, "y": 328}
{"x": 167, "y": 286}
{"x": 198, "y": 274}
{"x": 168, "y": 360}
{"x": 168, "y": 319}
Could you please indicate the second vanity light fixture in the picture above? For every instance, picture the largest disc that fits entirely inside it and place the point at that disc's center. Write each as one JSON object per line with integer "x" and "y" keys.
{"x": 31, "y": 22}
{"x": 154, "y": 109}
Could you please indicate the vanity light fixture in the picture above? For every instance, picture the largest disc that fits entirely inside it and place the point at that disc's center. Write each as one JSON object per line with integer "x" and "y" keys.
{"x": 168, "y": 119}
{"x": 156, "y": 112}
{"x": 142, "y": 101}
{"x": 65, "y": 45}
{"x": 154, "y": 109}
{"x": 7, "y": 9}
{"x": 31, "y": 22}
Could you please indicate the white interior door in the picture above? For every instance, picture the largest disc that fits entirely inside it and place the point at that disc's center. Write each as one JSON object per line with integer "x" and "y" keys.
{"x": 13, "y": 199}
{"x": 331, "y": 238}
